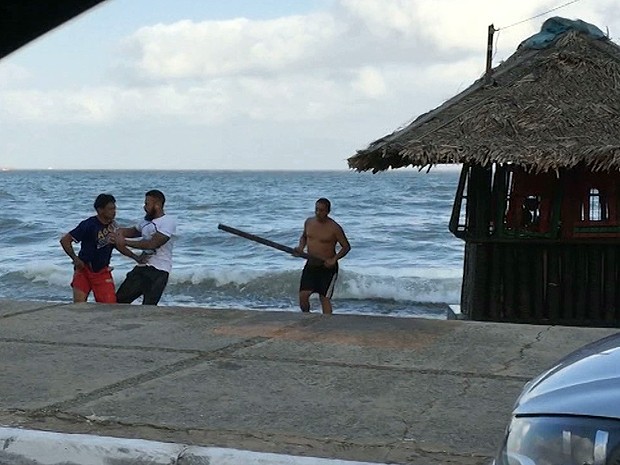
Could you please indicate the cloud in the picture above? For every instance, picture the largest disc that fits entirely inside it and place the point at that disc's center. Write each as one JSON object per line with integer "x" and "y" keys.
{"x": 354, "y": 34}
{"x": 190, "y": 50}
{"x": 374, "y": 56}
{"x": 370, "y": 82}
{"x": 12, "y": 75}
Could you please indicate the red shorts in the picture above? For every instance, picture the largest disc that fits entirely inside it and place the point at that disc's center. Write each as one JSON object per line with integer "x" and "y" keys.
{"x": 101, "y": 283}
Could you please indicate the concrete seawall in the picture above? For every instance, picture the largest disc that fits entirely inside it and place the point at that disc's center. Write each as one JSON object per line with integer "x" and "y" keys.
{"x": 353, "y": 388}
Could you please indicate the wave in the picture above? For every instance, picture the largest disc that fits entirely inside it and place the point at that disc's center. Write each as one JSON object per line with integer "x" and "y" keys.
{"x": 269, "y": 286}
{"x": 40, "y": 272}
{"x": 430, "y": 286}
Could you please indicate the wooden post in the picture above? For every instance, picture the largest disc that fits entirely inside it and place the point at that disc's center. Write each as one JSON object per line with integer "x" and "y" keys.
{"x": 266, "y": 242}
{"x": 489, "y": 67}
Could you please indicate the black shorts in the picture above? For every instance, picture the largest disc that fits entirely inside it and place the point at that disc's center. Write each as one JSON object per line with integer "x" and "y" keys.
{"x": 319, "y": 279}
{"x": 147, "y": 281}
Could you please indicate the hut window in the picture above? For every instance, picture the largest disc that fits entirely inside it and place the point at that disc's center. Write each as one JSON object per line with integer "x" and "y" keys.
{"x": 597, "y": 210}
{"x": 530, "y": 215}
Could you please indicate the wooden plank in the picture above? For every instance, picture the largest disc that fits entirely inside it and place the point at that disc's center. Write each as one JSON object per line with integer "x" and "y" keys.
{"x": 610, "y": 280}
{"x": 263, "y": 241}
{"x": 568, "y": 284}
{"x": 480, "y": 290}
{"x": 486, "y": 201}
{"x": 471, "y": 204}
{"x": 539, "y": 284}
{"x": 524, "y": 282}
{"x": 581, "y": 282}
{"x": 455, "y": 219}
{"x": 593, "y": 310}
{"x": 496, "y": 275}
{"x": 510, "y": 303}
{"x": 554, "y": 283}
{"x": 467, "y": 285}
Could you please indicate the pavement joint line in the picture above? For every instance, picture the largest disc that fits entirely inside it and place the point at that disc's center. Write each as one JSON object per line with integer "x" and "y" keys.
{"x": 162, "y": 371}
{"x": 103, "y": 346}
{"x": 406, "y": 370}
{"x": 32, "y": 310}
{"x": 303, "y": 323}
{"x": 131, "y": 348}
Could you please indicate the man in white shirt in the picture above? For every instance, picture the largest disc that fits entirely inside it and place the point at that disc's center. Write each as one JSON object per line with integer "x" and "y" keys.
{"x": 155, "y": 237}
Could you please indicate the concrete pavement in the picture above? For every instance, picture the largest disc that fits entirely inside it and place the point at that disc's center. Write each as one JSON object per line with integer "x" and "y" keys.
{"x": 359, "y": 388}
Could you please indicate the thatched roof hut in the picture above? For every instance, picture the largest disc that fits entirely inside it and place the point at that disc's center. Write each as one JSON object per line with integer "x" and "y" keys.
{"x": 543, "y": 109}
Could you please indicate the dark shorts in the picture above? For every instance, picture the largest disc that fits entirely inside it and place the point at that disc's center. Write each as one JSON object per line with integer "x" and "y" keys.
{"x": 319, "y": 279}
{"x": 143, "y": 280}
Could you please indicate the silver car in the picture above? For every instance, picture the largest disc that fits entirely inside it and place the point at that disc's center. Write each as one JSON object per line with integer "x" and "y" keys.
{"x": 569, "y": 415}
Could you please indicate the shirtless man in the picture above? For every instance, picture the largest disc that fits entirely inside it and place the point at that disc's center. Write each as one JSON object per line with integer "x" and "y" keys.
{"x": 320, "y": 235}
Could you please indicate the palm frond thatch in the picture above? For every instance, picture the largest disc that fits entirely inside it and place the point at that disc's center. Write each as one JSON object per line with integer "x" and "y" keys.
{"x": 544, "y": 109}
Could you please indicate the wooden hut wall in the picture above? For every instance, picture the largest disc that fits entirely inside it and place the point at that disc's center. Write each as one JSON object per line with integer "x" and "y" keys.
{"x": 536, "y": 277}
{"x": 555, "y": 283}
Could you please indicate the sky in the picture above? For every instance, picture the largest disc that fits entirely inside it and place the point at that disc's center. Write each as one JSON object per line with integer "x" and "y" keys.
{"x": 250, "y": 84}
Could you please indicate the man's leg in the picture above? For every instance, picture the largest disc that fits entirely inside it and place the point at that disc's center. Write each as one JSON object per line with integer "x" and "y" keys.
{"x": 326, "y": 305}
{"x": 154, "y": 290}
{"x": 131, "y": 288}
{"x": 81, "y": 286}
{"x": 304, "y": 300}
{"x": 79, "y": 296}
{"x": 103, "y": 286}
{"x": 306, "y": 288}
{"x": 327, "y": 284}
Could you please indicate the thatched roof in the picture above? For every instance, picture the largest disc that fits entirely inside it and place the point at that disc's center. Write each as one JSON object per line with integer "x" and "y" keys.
{"x": 543, "y": 109}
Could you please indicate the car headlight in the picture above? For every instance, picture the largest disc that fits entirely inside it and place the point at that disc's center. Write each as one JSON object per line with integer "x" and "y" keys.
{"x": 561, "y": 440}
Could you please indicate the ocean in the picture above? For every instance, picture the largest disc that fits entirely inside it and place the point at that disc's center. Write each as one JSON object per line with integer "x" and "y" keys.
{"x": 404, "y": 262}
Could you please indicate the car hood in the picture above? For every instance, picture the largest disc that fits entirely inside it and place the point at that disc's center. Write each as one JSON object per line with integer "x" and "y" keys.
{"x": 585, "y": 382}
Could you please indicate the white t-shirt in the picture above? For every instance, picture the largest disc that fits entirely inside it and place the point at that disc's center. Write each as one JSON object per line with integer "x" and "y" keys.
{"x": 161, "y": 258}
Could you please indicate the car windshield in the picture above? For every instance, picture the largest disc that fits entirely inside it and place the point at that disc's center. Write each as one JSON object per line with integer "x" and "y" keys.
{"x": 561, "y": 440}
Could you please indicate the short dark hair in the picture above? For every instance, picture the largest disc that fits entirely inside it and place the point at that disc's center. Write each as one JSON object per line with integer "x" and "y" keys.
{"x": 325, "y": 202}
{"x": 102, "y": 200}
{"x": 159, "y": 195}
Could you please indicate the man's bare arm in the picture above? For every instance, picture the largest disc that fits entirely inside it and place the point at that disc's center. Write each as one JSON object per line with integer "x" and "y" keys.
{"x": 128, "y": 232}
{"x": 341, "y": 238}
{"x": 154, "y": 242}
{"x": 303, "y": 239}
{"x": 67, "y": 245}
{"x": 123, "y": 249}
